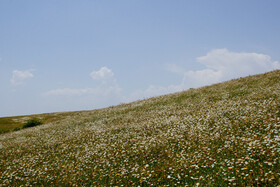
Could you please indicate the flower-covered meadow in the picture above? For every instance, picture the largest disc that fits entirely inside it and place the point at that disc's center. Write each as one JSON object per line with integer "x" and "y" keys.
{"x": 226, "y": 134}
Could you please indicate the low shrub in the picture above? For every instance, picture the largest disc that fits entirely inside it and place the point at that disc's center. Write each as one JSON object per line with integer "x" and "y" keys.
{"x": 32, "y": 123}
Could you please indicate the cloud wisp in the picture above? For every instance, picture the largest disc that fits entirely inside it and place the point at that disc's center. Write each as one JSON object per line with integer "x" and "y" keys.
{"x": 106, "y": 93}
{"x": 70, "y": 92}
{"x": 18, "y": 77}
{"x": 98, "y": 91}
{"x": 104, "y": 74}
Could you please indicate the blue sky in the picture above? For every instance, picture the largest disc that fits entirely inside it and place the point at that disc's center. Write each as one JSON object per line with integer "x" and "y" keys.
{"x": 79, "y": 55}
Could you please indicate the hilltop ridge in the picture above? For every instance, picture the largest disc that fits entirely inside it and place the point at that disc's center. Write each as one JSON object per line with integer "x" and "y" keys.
{"x": 223, "y": 134}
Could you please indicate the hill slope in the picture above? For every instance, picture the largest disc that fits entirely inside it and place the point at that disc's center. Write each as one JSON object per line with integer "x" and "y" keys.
{"x": 224, "y": 134}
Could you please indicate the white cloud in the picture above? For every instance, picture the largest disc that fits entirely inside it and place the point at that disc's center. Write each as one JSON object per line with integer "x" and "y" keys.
{"x": 18, "y": 77}
{"x": 103, "y": 74}
{"x": 222, "y": 65}
{"x": 238, "y": 63}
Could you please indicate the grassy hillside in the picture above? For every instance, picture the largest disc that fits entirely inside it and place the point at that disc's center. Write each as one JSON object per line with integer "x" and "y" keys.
{"x": 224, "y": 134}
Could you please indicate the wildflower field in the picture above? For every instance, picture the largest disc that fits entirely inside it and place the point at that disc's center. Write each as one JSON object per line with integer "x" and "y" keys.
{"x": 221, "y": 135}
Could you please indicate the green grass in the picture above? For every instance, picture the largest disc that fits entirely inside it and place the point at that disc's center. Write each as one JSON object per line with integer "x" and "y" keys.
{"x": 221, "y": 135}
{"x": 15, "y": 123}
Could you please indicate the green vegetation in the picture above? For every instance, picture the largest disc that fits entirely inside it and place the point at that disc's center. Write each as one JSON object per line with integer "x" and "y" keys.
{"x": 9, "y": 124}
{"x": 221, "y": 135}
{"x": 32, "y": 123}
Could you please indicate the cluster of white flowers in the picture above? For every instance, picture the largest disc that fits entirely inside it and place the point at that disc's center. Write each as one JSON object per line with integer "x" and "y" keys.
{"x": 226, "y": 134}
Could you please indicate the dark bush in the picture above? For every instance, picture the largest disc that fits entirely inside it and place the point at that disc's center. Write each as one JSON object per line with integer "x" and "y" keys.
{"x": 32, "y": 123}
